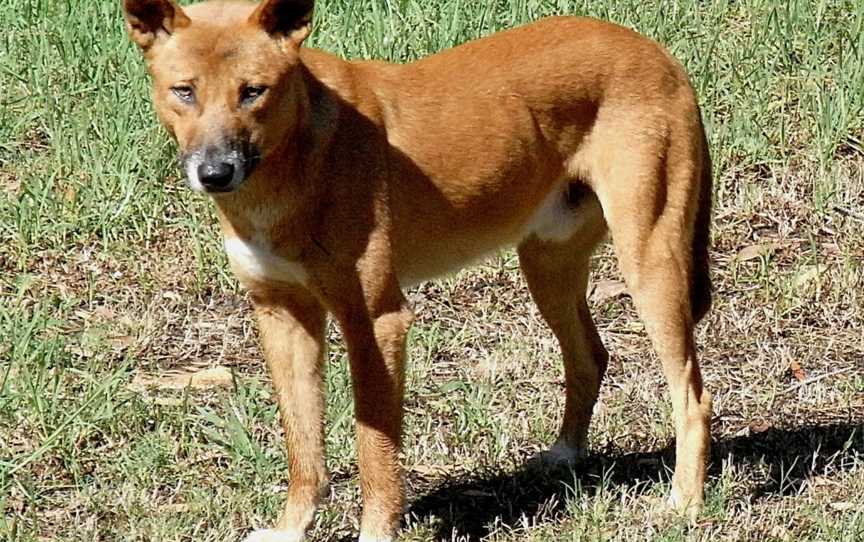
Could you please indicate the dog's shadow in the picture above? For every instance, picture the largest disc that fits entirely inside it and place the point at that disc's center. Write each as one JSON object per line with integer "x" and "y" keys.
{"x": 786, "y": 459}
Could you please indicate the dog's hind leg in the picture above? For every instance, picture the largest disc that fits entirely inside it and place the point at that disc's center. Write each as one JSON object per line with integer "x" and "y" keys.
{"x": 557, "y": 276}
{"x": 650, "y": 193}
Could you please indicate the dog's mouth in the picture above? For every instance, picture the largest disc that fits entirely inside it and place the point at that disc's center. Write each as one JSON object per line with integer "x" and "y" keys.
{"x": 219, "y": 169}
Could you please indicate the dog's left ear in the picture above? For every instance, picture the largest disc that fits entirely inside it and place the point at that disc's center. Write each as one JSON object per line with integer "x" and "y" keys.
{"x": 291, "y": 19}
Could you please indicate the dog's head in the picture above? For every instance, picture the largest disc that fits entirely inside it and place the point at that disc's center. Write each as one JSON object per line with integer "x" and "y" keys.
{"x": 225, "y": 81}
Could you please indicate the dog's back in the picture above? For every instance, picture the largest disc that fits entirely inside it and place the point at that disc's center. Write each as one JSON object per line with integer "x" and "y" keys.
{"x": 484, "y": 139}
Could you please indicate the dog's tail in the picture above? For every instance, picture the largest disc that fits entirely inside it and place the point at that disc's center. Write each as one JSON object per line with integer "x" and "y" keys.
{"x": 700, "y": 283}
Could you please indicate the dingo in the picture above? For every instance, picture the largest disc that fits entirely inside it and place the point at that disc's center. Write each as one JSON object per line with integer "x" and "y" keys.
{"x": 339, "y": 183}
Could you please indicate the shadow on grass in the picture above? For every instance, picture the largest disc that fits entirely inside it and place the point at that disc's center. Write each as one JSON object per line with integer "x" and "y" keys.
{"x": 789, "y": 457}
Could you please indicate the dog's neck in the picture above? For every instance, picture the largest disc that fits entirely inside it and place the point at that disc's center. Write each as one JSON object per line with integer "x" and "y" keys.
{"x": 284, "y": 192}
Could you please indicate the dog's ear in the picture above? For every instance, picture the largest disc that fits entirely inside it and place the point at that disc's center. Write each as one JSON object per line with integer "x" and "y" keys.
{"x": 151, "y": 20}
{"x": 291, "y": 19}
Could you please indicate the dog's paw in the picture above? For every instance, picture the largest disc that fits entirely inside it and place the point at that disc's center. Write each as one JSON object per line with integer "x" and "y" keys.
{"x": 563, "y": 455}
{"x": 269, "y": 535}
{"x": 689, "y": 507}
{"x": 367, "y": 538}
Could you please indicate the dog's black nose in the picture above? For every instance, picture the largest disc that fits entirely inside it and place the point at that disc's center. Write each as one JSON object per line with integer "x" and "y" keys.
{"x": 216, "y": 175}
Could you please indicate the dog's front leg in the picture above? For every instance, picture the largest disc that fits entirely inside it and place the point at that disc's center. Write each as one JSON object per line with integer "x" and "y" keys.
{"x": 291, "y": 326}
{"x": 375, "y": 334}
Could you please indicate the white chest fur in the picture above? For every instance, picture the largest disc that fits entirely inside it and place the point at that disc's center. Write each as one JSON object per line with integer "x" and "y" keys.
{"x": 256, "y": 261}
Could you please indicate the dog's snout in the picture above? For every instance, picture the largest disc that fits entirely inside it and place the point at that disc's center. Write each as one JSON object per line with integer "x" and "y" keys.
{"x": 216, "y": 175}
{"x": 221, "y": 168}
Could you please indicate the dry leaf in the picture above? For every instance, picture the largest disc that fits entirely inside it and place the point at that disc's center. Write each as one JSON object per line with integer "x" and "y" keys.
{"x": 177, "y": 508}
{"x": 70, "y": 193}
{"x": 104, "y": 313}
{"x": 10, "y": 184}
{"x": 429, "y": 471}
{"x": 751, "y": 252}
{"x": 797, "y": 371}
{"x": 81, "y": 351}
{"x": 121, "y": 342}
{"x": 779, "y": 532}
{"x": 173, "y": 296}
{"x": 477, "y": 493}
{"x": 806, "y": 275}
{"x": 201, "y": 380}
{"x": 607, "y": 289}
{"x": 168, "y": 401}
{"x": 759, "y": 426}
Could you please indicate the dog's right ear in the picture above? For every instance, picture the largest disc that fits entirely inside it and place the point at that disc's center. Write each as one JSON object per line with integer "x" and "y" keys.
{"x": 151, "y": 20}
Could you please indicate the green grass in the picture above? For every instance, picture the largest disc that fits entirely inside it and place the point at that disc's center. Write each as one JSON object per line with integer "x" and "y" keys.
{"x": 111, "y": 271}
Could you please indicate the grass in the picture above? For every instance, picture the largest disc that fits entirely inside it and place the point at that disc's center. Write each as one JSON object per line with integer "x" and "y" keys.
{"x": 112, "y": 273}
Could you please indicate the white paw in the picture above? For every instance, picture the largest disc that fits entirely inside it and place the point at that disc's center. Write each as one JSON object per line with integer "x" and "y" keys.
{"x": 269, "y": 535}
{"x": 564, "y": 454}
{"x": 688, "y": 507}
{"x": 368, "y": 538}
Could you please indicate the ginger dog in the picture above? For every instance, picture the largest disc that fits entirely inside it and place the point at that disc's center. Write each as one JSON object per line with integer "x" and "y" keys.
{"x": 338, "y": 184}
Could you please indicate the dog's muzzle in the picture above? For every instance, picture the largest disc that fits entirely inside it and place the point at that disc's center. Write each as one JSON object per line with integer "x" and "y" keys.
{"x": 219, "y": 169}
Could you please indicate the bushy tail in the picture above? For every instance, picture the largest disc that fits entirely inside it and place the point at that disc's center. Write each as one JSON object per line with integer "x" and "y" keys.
{"x": 700, "y": 284}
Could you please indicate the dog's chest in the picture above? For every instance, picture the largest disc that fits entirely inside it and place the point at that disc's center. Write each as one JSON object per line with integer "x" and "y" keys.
{"x": 255, "y": 260}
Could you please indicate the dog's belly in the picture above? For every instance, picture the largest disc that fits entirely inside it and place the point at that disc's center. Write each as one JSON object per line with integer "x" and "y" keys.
{"x": 557, "y": 219}
{"x": 443, "y": 257}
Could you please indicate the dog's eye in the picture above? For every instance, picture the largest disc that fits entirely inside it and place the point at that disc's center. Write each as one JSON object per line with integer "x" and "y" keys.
{"x": 185, "y": 93}
{"x": 251, "y": 93}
